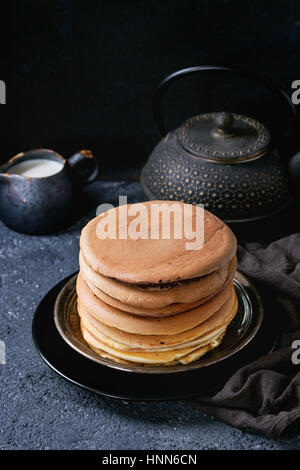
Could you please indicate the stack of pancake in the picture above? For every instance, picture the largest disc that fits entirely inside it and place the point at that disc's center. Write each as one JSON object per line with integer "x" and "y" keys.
{"x": 152, "y": 301}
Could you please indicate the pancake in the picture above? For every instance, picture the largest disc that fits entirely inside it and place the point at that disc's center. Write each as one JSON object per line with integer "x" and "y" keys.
{"x": 192, "y": 293}
{"x": 154, "y": 358}
{"x": 145, "y": 325}
{"x": 217, "y": 321}
{"x": 172, "y": 309}
{"x": 201, "y": 341}
{"x": 156, "y": 261}
{"x": 194, "y": 356}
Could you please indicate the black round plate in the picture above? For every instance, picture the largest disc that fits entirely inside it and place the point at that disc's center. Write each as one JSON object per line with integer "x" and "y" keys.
{"x": 132, "y": 386}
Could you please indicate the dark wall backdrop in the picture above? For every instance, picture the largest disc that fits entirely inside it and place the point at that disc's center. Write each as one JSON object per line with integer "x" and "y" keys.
{"x": 81, "y": 74}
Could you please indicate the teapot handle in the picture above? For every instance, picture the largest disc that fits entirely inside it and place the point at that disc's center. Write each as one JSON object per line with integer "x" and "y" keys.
{"x": 164, "y": 85}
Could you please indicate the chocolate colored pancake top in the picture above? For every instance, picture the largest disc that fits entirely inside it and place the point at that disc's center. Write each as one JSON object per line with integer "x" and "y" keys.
{"x": 154, "y": 261}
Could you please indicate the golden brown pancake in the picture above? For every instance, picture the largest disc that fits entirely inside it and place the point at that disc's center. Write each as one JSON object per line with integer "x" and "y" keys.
{"x": 184, "y": 355}
{"x": 217, "y": 321}
{"x": 156, "y": 260}
{"x": 125, "y": 296}
{"x": 195, "y": 355}
{"x": 146, "y": 325}
{"x": 200, "y": 341}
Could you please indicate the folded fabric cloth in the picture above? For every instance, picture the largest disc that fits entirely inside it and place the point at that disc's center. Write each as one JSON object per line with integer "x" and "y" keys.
{"x": 264, "y": 396}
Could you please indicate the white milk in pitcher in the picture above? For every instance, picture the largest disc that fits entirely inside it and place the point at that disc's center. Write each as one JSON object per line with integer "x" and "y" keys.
{"x": 36, "y": 168}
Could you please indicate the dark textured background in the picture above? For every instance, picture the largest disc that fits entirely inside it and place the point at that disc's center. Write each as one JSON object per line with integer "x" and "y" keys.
{"x": 82, "y": 73}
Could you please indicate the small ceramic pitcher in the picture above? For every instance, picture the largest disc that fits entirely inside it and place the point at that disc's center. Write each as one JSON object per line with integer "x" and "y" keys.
{"x": 40, "y": 201}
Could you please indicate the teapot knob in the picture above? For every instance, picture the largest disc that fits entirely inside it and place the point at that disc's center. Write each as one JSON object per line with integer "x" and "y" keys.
{"x": 224, "y": 123}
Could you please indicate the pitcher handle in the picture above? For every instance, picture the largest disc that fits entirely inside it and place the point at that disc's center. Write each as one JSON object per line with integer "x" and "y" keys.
{"x": 84, "y": 166}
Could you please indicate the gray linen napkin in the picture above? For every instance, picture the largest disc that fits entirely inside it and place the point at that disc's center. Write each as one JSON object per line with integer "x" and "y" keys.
{"x": 264, "y": 396}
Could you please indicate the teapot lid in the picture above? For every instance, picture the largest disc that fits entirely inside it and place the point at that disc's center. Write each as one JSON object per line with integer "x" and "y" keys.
{"x": 224, "y": 137}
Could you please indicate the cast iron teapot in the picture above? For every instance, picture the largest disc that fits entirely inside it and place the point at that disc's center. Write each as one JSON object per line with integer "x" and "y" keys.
{"x": 226, "y": 161}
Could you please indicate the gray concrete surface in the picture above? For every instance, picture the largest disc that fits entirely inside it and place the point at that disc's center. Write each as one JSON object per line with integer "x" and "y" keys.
{"x": 40, "y": 410}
